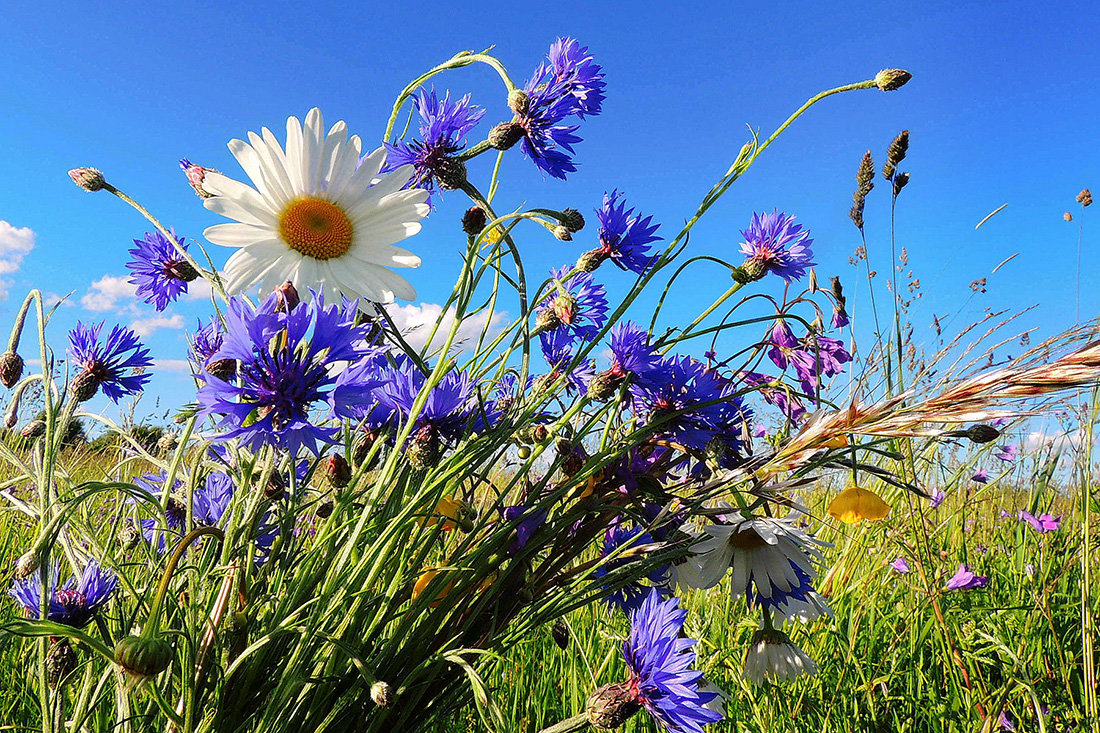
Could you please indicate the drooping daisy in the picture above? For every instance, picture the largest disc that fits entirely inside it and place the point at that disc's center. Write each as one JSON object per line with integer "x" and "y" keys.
{"x": 317, "y": 215}
{"x": 772, "y": 655}
{"x": 75, "y": 602}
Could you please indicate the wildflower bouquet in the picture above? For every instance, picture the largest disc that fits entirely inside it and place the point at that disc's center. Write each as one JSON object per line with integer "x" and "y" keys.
{"x": 345, "y": 526}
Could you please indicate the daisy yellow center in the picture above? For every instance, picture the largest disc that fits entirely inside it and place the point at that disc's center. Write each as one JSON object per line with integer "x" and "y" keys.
{"x": 746, "y": 539}
{"x": 317, "y": 228}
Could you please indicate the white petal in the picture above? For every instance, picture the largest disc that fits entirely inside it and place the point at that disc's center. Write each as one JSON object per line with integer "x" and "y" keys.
{"x": 313, "y": 139}
{"x": 386, "y": 255}
{"x": 295, "y": 149}
{"x": 248, "y": 160}
{"x": 248, "y": 265}
{"x": 237, "y": 235}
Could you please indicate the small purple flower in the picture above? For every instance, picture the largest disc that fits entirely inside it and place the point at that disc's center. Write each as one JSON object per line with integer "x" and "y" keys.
{"x": 774, "y": 243}
{"x": 578, "y": 305}
{"x": 827, "y": 357}
{"x": 964, "y": 579}
{"x": 1043, "y": 523}
{"x": 1005, "y": 722}
{"x": 980, "y": 476}
{"x": 840, "y": 317}
{"x": 629, "y": 597}
{"x": 529, "y": 522}
{"x": 112, "y": 365}
{"x": 938, "y": 495}
{"x": 75, "y": 602}
{"x": 633, "y": 357}
{"x": 900, "y": 566}
{"x": 286, "y": 370}
{"x": 1007, "y": 453}
{"x": 572, "y": 71}
{"x": 444, "y": 126}
{"x": 625, "y": 236}
{"x": 660, "y": 664}
{"x": 759, "y": 430}
{"x": 775, "y": 392}
{"x": 160, "y": 272}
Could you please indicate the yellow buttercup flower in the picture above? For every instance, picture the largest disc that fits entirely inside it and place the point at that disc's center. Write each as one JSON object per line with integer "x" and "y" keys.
{"x": 855, "y": 504}
{"x": 450, "y": 511}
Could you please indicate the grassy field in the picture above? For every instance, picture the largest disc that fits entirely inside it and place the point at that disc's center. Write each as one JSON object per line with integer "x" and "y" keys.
{"x": 900, "y": 654}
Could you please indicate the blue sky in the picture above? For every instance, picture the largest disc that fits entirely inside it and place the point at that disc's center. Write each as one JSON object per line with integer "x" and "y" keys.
{"x": 1002, "y": 109}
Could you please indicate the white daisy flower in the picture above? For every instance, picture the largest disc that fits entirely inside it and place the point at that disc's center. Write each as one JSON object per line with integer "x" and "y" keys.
{"x": 804, "y": 610}
{"x": 718, "y": 703}
{"x": 317, "y": 216}
{"x": 772, "y": 554}
{"x": 773, "y": 656}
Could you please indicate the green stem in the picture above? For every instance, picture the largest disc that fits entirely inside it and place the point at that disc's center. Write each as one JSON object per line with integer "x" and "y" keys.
{"x": 569, "y": 725}
{"x": 475, "y": 150}
{"x": 152, "y": 624}
{"x": 715, "y": 306}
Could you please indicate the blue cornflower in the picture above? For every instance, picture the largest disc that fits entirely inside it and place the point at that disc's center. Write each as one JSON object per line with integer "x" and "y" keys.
{"x": 287, "y": 360}
{"x": 624, "y": 237}
{"x": 75, "y": 602}
{"x": 629, "y": 597}
{"x": 530, "y": 520}
{"x": 557, "y": 349}
{"x": 159, "y": 271}
{"x": 576, "y": 305}
{"x": 109, "y": 365}
{"x": 443, "y": 128}
{"x": 206, "y": 342}
{"x": 774, "y": 243}
{"x": 691, "y": 390}
{"x": 660, "y": 664}
{"x": 726, "y": 445}
{"x": 633, "y": 359}
{"x": 568, "y": 83}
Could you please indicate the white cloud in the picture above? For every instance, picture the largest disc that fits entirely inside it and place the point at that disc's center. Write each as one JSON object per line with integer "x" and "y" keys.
{"x": 199, "y": 289}
{"x": 1060, "y": 442}
{"x": 15, "y": 244}
{"x": 415, "y": 323}
{"x": 51, "y": 299}
{"x": 175, "y": 366}
{"x": 145, "y": 327}
{"x": 104, "y": 293}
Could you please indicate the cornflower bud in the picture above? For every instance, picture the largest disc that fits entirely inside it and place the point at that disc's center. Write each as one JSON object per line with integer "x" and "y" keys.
{"x": 337, "y": 471}
{"x": 560, "y": 632}
{"x": 84, "y": 386}
{"x": 382, "y": 694}
{"x": 890, "y": 79}
{"x": 590, "y": 260}
{"x": 562, "y": 233}
{"x": 505, "y": 135}
{"x": 1085, "y": 197}
{"x": 196, "y": 175}
{"x": 288, "y": 297}
{"x": 604, "y": 384}
{"x": 451, "y": 173}
{"x": 11, "y": 368}
{"x": 611, "y": 706}
{"x": 26, "y": 565}
{"x": 572, "y": 220}
{"x": 34, "y": 429}
{"x": 61, "y": 660}
{"x": 90, "y": 179}
{"x": 142, "y": 659}
{"x": 518, "y": 101}
{"x": 982, "y": 433}
{"x": 474, "y": 220}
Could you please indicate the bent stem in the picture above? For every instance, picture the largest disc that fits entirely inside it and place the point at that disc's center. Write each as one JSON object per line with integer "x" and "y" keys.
{"x": 569, "y": 725}
{"x": 152, "y": 625}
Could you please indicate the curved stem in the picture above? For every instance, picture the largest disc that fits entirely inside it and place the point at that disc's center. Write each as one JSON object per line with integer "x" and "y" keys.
{"x": 569, "y": 725}
{"x": 152, "y": 623}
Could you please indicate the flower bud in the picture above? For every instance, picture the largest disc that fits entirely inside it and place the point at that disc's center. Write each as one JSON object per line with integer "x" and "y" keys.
{"x": 450, "y": 172}
{"x": 196, "y": 174}
{"x": 288, "y": 298}
{"x": 11, "y": 368}
{"x": 590, "y": 260}
{"x": 275, "y": 490}
{"x": 382, "y": 694}
{"x": 61, "y": 660}
{"x": 572, "y": 220}
{"x": 474, "y": 220}
{"x": 560, "y": 632}
{"x": 181, "y": 270}
{"x": 90, "y": 179}
{"x": 523, "y": 452}
{"x": 604, "y": 384}
{"x": 611, "y": 706}
{"x": 324, "y": 509}
{"x": 890, "y": 79}
{"x": 168, "y": 442}
{"x": 901, "y": 180}
{"x": 34, "y": 429}
{"x": 337, "y": 471}
{"x": 26, "y": 565}
{"x": 1067, "y": 216}
{"x": 547, "y": 320}
{"x": 223, "y": 369}
{"x": 142, "y": 659}
{"x": 518, "y": 101}
{"x": 562, "y": 233}
{"x": 982, "y": 433}
{"x": 540, "y": 433}
{"x": 424, "y": 449}
{"x": 84, "y": 386}
{"x": 505, "y": 135}
{"x": 1085, "y": 197}
{"x": 754, "y": 268}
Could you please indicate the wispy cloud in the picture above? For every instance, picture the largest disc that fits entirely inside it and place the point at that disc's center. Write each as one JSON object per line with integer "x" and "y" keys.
{"x": 415, "y": 323}
{"x": 173, "y": 366}
{"x": 15, "y": 244}
{"x": 103, "y": 294}
{"x": 145, "y": 327}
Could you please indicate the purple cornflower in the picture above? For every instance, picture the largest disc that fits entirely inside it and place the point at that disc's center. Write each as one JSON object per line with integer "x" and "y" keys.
{"x": 1007, "y": 453}
{"x": 624, "y": 236}
{"x": 980, "y": 476}
{"x": 660, "y": 662}
{"x": 685, "y": 408}
{"x": 557, "y": 349}
{"x": 576, "y": 305}
{"x": 286, "y": 369}
{"x": 633, "y": 357}
{"x": 774, "y": 243}
{"x": 1043, "y": 523}
{"x": 775, "y": 392}
{"x": 964, "y": 579}
{"x": 111, "y": 365}
{"x": 629, "y": 597}
{"x": 568, "y": 83}
{"x": 900, "y": 566}
{"x": 529, "y": 522}
{"x": 75, "y": 602}
{"x": 938, "y": 495}
{"x": 158, "y": 270}
{"x": 443, "y": 128}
